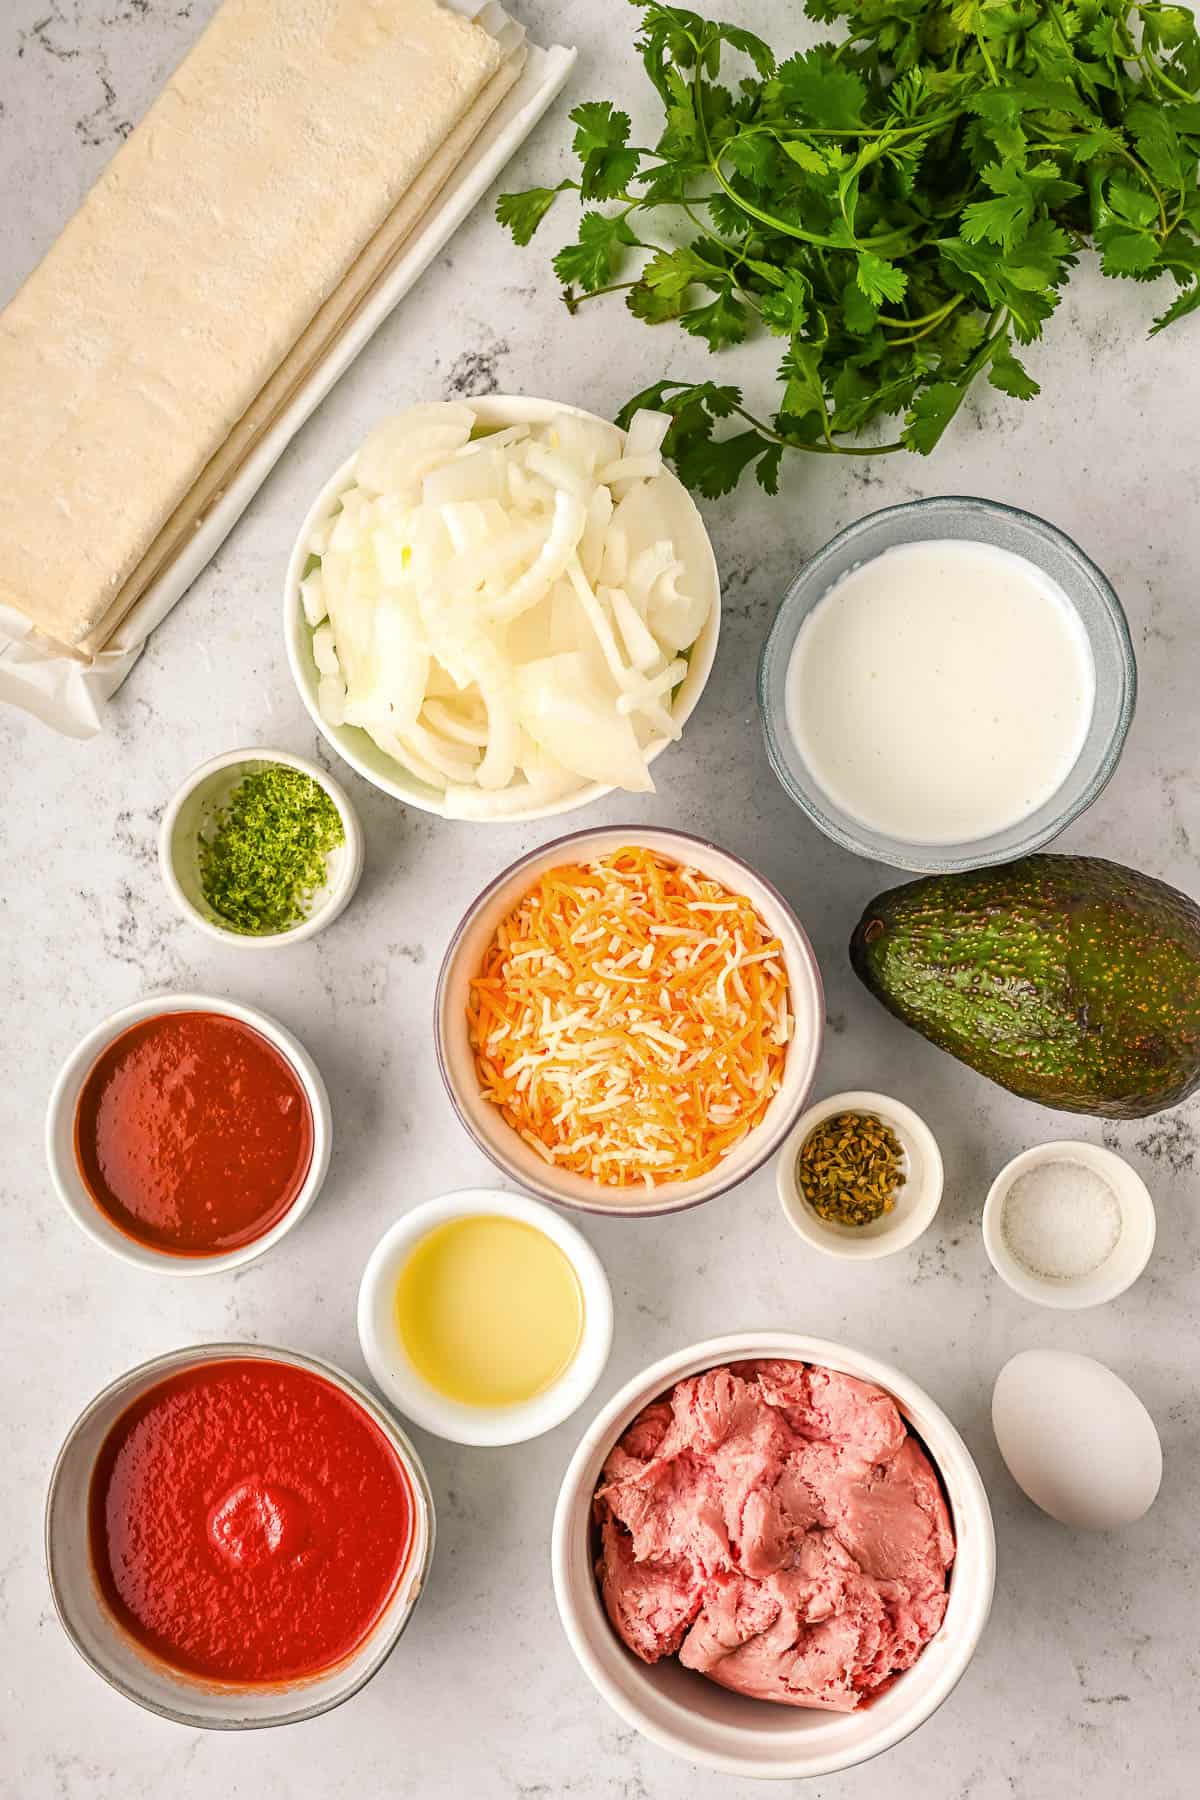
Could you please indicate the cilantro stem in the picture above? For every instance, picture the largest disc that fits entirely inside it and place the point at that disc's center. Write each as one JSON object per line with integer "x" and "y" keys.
{"x": 923, "y": 318}
{"x": 613, "y": 287}
{"x": 827, "y": 449}
{"x": 927, "y": 322}
{"x": 747, "y": 206}
{"x": 1156, "y": 73}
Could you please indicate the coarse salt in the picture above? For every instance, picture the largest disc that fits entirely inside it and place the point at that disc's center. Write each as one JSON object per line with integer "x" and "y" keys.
{"x": 1061, "y": 1220}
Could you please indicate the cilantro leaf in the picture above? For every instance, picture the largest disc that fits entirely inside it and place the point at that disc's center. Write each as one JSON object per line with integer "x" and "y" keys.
{"x": 1158, "y": 144}
{"x": 1018, "y": 194}
{"x": 880, "y": 280}
{"x": 523, "y": 213}
{"x": 1127, "y": 252}
{"x": 653, "y": 307}
{"x": 1183, "y": 304}
{"x": 805, "y": 155}
{"x": 671, "y": 272}
{"x": 785, "y": 308}
{"x": 723, "y": 321}
{"x": 766, "y": 469}
{"x": 760, "y": 53}
{"x": 595, "y": 258}
{"x": 930, "y": 413}
{"x": 1009, "y": 375}
{"x": 714, "y": 466}
{"x": 600, "y": 143}
{"x": 812, "y": 87}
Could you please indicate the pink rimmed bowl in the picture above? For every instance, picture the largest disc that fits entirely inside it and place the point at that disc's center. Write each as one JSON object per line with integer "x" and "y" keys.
{"x": 484, "y": 1121}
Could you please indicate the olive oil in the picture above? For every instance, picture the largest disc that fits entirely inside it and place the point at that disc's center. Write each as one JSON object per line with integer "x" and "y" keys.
{"x": 489, "y": 1310}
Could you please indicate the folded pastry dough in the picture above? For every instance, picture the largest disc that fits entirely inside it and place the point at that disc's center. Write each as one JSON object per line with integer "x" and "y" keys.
{"x": 232, "y": 236}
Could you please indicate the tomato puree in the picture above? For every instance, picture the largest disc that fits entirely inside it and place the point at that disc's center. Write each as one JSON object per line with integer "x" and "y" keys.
{"x": 193, "y": 1134}
{"x": 248, "y": 1521}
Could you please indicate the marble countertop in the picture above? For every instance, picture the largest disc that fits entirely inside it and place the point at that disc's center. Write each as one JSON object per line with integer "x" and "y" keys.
{"x": 1085, "y": 1681}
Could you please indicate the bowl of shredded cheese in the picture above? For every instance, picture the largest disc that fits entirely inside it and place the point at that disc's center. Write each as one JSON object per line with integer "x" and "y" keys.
{"x": 628, "y": 1020}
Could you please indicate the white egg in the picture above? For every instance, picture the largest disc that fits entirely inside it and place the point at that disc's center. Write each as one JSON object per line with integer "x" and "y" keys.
{"x": 1076, "y": 1439}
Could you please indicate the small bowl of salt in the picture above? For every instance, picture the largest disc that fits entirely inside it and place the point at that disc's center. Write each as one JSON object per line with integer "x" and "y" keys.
{"x": 1068, "y": 1225}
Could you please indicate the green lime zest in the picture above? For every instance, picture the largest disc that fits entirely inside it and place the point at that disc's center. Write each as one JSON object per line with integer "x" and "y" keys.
{"x": 263, "y": 856}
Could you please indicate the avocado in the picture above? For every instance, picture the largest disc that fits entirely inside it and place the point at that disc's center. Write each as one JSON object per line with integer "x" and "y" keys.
{"x": 1067, "y": 979}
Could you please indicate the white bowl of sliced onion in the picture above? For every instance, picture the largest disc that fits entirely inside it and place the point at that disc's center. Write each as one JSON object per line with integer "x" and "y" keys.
{"x": 503, "y": 609}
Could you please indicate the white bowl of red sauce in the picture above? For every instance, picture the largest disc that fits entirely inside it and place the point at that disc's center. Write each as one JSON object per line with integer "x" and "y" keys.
{"x": 187, "y": 1134}
{"x": 237, "y": 1535}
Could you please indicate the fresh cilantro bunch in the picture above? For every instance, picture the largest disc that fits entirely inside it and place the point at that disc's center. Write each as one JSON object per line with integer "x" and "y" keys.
{"x": 901, "y": 208}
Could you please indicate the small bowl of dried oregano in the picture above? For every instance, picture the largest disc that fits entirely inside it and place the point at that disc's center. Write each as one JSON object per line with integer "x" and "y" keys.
{"x": 860, "y": 1176}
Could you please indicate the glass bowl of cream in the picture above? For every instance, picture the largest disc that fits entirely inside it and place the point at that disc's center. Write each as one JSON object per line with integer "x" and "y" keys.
{"x": 947, "y": 684}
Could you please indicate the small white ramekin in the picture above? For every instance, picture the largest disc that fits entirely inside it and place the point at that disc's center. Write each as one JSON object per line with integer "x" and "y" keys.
{"x": 60, "y": 1135}
{"x": 203, "y": 1705}
{"x": 485, "y": 1122}
{"x": 916, "y": 1202}
{"x": 697, "y": 1719}
{"x": 1117, "y": 1272}
{"x": 206, "y": 790}
{"x": 493, "y": 411}
{"x": 408, "y": 1389}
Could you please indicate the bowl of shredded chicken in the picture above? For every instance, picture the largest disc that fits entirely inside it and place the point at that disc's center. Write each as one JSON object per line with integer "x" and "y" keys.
{"x": 629, "y": 1020}
{"x": 504, "y": 608}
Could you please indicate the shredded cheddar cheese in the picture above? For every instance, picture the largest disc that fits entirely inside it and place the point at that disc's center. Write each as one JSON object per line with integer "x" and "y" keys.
{"x": 631, "y": 1019}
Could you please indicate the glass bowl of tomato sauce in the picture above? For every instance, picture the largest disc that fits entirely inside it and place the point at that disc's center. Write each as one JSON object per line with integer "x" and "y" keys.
{"x": 237, "y": 1535}
{"x": 187, "y": 1134}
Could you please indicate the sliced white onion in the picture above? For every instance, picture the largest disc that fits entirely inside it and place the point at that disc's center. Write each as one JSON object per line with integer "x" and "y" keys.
{"x": 675, "y": 619}
{"x": 449, "y": 759}
{"x": 570, "y": 517}
{"x": 630, "y": 469}
{"x": 557, "y": 472}
{"x": 646, "y": 434}
{"x": 502, "y": 613}
{"x": 566, "y": 711}
{"x": 591, "y": 544}
{"x": 640, "y": 643}
{"x": 462, "y": 728}
{"x": 481, "y": 476}
{"x": 324, "y": 652}
{"x": 331, "y": 698}
{"x": 312, "y": 598}
{"x": 400, "y": 452}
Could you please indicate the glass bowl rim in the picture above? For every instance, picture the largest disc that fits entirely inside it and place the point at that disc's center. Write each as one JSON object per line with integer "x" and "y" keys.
{"x": 981, "y": 852}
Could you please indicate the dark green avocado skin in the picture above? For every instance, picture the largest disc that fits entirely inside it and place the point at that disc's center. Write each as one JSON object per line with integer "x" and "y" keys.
{"x": 1067, "y": 979}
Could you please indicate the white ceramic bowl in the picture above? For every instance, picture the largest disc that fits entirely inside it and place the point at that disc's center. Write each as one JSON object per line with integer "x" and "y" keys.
{"x": 698, "y": 1720}
{"x": 1121, "y": 1267}
{"x": 206, "y": 790}
{"x": 113, "y": 1655}
{"x": 916, "y": 1202}
{"x": 407, "y": 1388}
{"x": 497, "y": 1139}
{"x": 493, "y": 411}
{"x": 60, "y": 1135}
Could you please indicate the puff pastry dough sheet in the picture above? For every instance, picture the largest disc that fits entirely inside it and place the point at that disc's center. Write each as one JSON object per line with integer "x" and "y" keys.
{"x": 275, "y": 156}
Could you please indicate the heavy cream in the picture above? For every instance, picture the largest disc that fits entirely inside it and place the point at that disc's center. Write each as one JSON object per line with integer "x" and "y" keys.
{"x": 941, "y": 691}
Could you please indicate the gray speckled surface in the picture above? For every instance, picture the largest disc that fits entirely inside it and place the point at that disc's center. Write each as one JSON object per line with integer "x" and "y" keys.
{"x": 1086, "y": 1680}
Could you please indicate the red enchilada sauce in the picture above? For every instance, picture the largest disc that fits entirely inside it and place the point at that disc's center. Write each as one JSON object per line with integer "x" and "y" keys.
{"x": 248, "y": 1521}
{"x": 193, "y": 1134}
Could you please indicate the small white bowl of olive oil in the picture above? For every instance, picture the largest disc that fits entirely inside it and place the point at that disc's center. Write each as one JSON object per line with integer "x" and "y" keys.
{"x": 485, "y": 1317}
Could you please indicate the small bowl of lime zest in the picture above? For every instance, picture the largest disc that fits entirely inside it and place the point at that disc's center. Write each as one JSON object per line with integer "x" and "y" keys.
{"x": 260, "y": 847}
